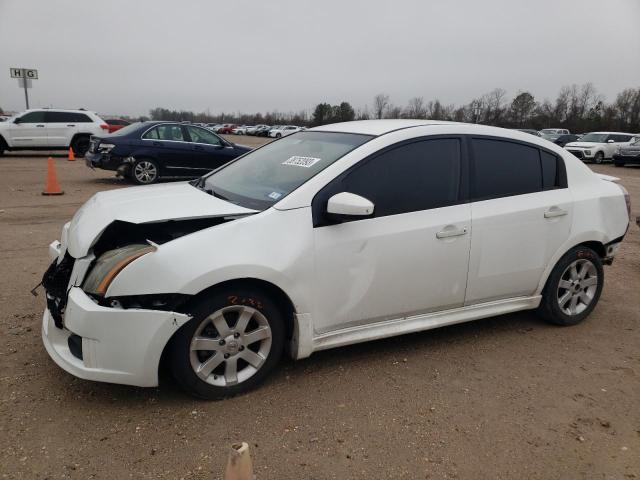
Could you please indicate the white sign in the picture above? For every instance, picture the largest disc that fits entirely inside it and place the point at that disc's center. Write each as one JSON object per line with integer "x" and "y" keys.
{"x": 297, "y": 161}
{"x": 30, "y": 73}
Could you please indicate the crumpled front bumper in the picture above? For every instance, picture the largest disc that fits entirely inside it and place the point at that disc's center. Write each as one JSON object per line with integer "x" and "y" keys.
{"x": 118, "y": 345}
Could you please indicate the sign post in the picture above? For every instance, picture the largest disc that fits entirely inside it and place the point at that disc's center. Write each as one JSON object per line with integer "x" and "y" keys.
{"x": 24, "y": 76}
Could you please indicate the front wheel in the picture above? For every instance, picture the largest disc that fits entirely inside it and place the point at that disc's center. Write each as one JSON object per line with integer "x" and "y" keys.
{"x": 598, "y": 158}
{"x": 234, "y": 340}
{"x": 573, "y": 288}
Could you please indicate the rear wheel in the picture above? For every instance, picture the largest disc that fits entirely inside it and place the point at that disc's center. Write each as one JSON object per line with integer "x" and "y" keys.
{"x": 573, "y": 288}
{"x": 234, "y": 340}
{"x": 598, "y": 158}
{"x": 80, "y": 145}
{"x": 145, "y": 171}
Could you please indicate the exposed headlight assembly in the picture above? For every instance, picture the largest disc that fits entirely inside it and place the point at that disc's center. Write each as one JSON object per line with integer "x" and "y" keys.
{"x": 109, "y": 264}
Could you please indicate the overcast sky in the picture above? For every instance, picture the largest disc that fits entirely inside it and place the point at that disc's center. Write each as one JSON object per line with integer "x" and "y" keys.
{"x": 127, "y": 56}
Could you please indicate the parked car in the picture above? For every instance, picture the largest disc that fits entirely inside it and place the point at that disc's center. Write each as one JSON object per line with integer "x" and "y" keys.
{"x": 284, "y": 131}
{"x": 599, "y": 146}
{"x": 240, "y": 130}
{"x": 561, "y": 140}
{"x": 628, "y": 154}
{"x": 554, "y": 131}
{"x": 265, "y": 131}
{"x": 145, "y": 152}
{"x": 530, "y": 131}
{"x": 256, "y": 128}
{"x": 334, "y": 236}
{"x": 116, "y": 124}
{"x": 227, "y": 128}
{"x": 47, "y": 129}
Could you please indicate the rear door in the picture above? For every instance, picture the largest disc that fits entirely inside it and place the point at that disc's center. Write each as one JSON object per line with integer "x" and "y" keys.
{"x": 62, "y": 126}
{"x": 208, "y": 150}
{"x": 619, "y": 140}
{"x": 29, "y": 132}
{"x": 169, "y": 145}
{"x": 521, "y": 213}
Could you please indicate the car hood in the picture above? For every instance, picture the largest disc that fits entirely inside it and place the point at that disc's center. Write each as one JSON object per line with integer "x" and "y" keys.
{"x": 147, "y": 204}
{"x": 582, "y": 144}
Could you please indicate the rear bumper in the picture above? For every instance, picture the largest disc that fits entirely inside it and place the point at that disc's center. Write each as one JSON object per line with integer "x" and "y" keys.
{"x": 118, "y": 345}
{"x": 103, "y": 161}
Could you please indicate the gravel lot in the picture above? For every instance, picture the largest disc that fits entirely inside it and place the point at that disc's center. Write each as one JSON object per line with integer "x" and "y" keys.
{"x": 503, "y": 398}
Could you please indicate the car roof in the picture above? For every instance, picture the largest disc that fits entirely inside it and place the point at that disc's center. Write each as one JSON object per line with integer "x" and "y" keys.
{"x": 77, "y": 110}
{"x": 376, "y": 127}
{"x": 615, "y": 133}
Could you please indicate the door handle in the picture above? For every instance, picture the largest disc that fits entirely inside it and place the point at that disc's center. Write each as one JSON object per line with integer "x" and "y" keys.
{"x": 555, "y": 212}
{"x": 157, "y": 144}
{"x": 40, "y": 126}
{"x": 196, "y": 147}
{"x": 452, "y": 232}
{"x": 72, "y": 125}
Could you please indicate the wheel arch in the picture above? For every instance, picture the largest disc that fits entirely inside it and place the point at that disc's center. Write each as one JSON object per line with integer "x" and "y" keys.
{"x": 3, "y": 142}
{"x": 595, "y": 245}
{"x": 79, "y": 135}
{"x": 282, "y": 300}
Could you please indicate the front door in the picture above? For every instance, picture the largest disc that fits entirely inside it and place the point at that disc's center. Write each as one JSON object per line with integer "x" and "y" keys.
{"x": 208, "y": 151}
{"x": 520, "y": 217}
{"x": 412, "y": 256}
{"x": 31, "y": 131}
{"x": 169, "y": 145}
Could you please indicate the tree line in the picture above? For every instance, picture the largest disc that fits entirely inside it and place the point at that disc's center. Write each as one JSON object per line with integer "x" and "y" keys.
{"x": 579, "y": 108}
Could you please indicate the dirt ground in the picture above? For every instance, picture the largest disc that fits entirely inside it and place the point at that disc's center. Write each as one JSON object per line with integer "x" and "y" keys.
{"x": 508, "y": 397}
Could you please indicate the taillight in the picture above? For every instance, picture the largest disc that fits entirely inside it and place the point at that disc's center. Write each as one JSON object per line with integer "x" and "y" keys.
{"x": 104, "y": 126}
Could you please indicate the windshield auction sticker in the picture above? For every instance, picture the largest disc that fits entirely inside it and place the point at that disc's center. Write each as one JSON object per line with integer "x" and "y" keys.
{"x": 297, "y": 161}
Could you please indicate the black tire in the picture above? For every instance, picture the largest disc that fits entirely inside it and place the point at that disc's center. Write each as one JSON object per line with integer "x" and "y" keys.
{"x": 598, "y": 158}
{"x": 144, "y": 171}
{"x": 554, "y": 294}
{"x": 183, "y": 361}
{"x": 278, "y": 135}
{"x": 80, "y": 145}
{"x": 3, "y": 146}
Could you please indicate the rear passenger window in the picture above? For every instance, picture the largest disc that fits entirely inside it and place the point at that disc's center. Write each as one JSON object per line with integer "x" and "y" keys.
{"x": 66, "y": 117}
{"x": 165, "y": 132}
{"x": 550, "y": 170}
{"x": 409, "y": 178}
{"x": 502, "y": 169}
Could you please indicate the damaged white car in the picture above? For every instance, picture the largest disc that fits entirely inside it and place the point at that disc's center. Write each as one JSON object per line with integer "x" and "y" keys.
{"x": 332, "y": 236}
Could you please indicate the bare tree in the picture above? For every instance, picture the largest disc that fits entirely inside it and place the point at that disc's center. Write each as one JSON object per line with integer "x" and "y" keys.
{"x": 380, "y": 104}
{"x": 416, "y": 108}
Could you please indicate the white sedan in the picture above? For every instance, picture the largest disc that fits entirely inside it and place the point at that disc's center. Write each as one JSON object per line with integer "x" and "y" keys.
{"x": 337, "y": 235}
{"x": 598, "y": 146}
{"x": 284, "y": 130}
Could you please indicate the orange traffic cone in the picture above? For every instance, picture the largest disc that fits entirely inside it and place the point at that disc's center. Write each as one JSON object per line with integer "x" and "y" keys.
{"x": 52, "y": 187}
{"x": 71, "y": 157}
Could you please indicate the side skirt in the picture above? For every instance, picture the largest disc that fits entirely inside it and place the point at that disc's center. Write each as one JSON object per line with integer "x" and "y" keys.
{"x": 416, "y": 323}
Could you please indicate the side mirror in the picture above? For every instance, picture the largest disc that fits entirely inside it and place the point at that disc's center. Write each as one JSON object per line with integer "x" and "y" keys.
{"x": 610, "y": 141}
{"x": 17, "y": 120}
{"x": 348, "y": 206}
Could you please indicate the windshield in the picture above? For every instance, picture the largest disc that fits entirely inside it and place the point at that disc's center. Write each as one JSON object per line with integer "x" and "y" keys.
{"x": 267, "y": 175}
{"x": 126, "y": 130}
{"x": 594, "y": 137}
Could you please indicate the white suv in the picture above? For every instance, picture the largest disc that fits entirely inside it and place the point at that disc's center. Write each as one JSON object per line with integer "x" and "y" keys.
{"x": 46, "y": 129}
{"x": 340, "y": 234}
{"x": 598, "y": 146}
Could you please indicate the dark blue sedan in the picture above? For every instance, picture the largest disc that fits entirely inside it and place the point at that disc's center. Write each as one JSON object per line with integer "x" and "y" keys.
{"x": 147, "y": 151}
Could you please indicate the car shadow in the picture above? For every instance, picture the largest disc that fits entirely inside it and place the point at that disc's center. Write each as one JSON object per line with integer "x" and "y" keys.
{"x": 322, "y": 363}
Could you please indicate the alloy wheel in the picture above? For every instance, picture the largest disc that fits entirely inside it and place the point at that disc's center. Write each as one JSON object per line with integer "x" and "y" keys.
{"x": 230, "y": 345}
{"x": 145, "y": 172}
{"x": 577, "y": 287}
